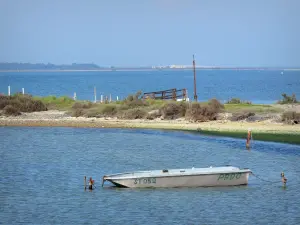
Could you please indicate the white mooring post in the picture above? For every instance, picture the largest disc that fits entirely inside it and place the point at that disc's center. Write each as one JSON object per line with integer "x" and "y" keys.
{"x": 187, "y": 96}
{"x": 109, "y": 97}
{"x": 23, "y": 91}
{"x": 95, "y": 95}
{"x": 75, "y": 97}
{"x": 117, "y": 98}
{"x": 101, "y": 99}
{"x": 8, "y": 90}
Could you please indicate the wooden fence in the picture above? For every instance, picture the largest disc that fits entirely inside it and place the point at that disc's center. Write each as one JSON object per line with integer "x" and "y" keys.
{"x": 173, "y": 94}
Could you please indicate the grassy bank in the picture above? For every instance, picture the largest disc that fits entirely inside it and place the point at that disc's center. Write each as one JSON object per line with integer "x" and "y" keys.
{"x": 133, "y": 108}
{"x": 261, "y": 136}
{"x": 256, "y": 108}
{"x": 285, "y": 134}
{"x": 167, "y": 112}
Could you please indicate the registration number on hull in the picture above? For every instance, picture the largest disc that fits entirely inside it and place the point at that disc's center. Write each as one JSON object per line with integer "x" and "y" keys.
{"x": 229, "y": 176}
{"x": 150, "y": 180}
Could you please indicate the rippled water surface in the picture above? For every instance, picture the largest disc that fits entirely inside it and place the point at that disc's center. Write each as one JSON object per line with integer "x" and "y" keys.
{"x": 256, "y": 86}
{"x": 42, "y": 172}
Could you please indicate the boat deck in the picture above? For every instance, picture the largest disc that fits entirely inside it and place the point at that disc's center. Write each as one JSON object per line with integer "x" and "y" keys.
{"x": 177, "y": 172}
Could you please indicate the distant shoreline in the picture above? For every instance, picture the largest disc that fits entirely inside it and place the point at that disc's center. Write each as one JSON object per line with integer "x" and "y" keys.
{"x": 140, "y": 69}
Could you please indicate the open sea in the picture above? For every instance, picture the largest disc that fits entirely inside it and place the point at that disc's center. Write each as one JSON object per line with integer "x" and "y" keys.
{"x": 256, "y": 86}
{"x": 42, "y": 169}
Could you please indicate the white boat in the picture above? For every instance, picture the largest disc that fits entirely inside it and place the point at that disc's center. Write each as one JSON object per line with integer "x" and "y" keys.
{"x": 193, "y": 177}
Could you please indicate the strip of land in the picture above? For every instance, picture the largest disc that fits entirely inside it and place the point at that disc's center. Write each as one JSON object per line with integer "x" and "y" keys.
{"x": 273, "y": 122}
{"x": 263, "y": 130}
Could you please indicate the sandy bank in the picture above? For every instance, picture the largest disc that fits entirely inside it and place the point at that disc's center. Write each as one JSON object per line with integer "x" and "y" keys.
{"x": 60, "y": 119}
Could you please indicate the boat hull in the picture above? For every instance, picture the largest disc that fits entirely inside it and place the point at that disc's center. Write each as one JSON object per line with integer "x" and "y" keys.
{"x": 199, "y": 180}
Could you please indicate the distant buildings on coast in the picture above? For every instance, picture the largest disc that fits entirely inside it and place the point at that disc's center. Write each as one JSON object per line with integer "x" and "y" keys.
{"x": 19, "y": 67}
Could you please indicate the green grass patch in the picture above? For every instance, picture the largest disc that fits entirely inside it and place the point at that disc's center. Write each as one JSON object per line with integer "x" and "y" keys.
{"x": 59, "y": 103}
{"x": 256, "y": 108}
{"x": 274, "y": 137}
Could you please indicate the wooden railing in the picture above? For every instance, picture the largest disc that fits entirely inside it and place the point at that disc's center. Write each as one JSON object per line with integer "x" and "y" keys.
{"x": 173, "y": 94}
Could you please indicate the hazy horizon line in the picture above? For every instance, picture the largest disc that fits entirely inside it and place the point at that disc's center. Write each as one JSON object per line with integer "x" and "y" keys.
{"x": 159, "y": 66}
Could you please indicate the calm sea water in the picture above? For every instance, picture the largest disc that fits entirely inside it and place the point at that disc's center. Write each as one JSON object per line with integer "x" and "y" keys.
{"x": 255, "y": 86}
{"x": 42, "y": 172}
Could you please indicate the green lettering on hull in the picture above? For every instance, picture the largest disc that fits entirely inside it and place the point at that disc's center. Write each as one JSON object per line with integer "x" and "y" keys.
{"x": 229, "y": 176}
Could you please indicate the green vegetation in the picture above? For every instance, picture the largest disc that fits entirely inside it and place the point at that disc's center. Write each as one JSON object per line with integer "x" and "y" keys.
{"x": 238, "y": 101}
{"x": 255, "y": 108}
{"x": 134, "y": 107}
{"x": 14, "y": 105}
{"x": 275, "y": 137}
{"x": 291, "y": 117}
{"x": 198, "y": 112}
{"x": 288, "y": 99}
{"x": 52, "y": 102}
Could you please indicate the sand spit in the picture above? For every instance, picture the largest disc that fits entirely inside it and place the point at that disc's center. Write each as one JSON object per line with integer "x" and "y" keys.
{"x": 54, "y": 118}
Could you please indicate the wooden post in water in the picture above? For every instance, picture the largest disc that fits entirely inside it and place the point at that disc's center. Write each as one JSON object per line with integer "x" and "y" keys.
{"x": 195, "y": 89}
{"x": 249, "y": 137}
{"x": 84, "y": 182}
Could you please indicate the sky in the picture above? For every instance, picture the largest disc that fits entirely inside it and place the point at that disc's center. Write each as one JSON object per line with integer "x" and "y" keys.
{"x": 151, "y": 32}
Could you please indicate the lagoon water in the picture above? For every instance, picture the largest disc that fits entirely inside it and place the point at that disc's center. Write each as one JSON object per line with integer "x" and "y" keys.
{"x": 255, "y": 86}
{"x": 42, "y": 172}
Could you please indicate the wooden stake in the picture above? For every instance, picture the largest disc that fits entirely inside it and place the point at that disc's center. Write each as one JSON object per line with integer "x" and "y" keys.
{"x": 195, "y": 89}
{"x": 84, "y": 182}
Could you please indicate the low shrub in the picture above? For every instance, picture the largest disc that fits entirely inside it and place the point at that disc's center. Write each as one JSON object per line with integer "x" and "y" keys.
{"x": 288, "y": 99}
{"x": 4, "y": 101}
{"x": 136, "y": 113}
{"x": 154, "y": 102}
{"x": 82, "y": 105}
{"x": 153, "y": 115}
{"x": 124, "y": 106}
{"x": 174, "y": 110}
{"x": 133, "y": 101}
{"x": 23, "y": 103}
{"x": 201, "y": 113}
{"x": 10, "y": 110}
{"x": 94, "y": 113}
{"x": 238, "y": 101}
{"x": 241, "y": 116}
{"x": 109, "y": 110}
{"x": 216, "y": 105}
{"x": 78, "y": 112}
{"x": 88, "y": 111}
{"x": 291, "y": 117}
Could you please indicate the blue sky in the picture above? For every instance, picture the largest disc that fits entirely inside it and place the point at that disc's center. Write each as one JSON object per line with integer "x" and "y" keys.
{"x": 152, "y": 32}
